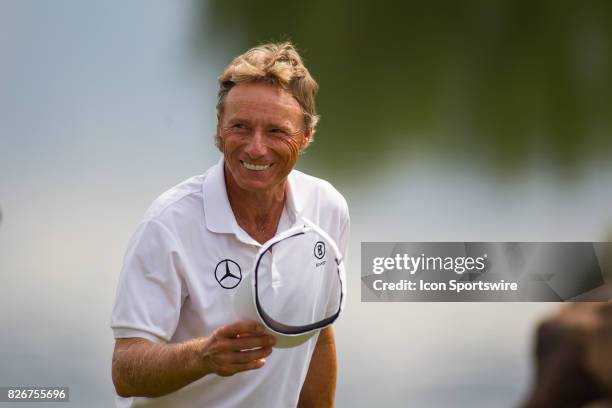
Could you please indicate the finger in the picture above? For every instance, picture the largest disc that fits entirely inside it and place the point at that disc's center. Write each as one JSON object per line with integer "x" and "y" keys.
{"x": 234, "y": 329}
{"x": 241, "y": 335}
{"x": 231, "y": 369}
{"x": 243, "y": 357}
{"x": 237, "y": 344}
{"x": 251, "y": 342}
{"x": 251, "y": 365}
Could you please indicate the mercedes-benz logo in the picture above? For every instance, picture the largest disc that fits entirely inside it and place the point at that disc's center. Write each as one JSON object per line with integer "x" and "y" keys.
{"x": 228, "y": 274}
{"x": 319, "y": 250}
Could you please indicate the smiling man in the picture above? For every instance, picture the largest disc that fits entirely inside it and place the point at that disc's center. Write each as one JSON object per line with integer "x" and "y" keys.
{"x": 178, "y": 342}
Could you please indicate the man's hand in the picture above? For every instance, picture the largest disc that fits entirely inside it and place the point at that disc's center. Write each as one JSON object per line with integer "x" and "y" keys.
{"x": 236, "y": 347}
{"x": 563, "y": 379}
{"x": 148, "y": 369}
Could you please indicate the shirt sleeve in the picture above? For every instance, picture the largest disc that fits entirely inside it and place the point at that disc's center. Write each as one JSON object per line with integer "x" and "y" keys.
{"x": 151, "y": 291}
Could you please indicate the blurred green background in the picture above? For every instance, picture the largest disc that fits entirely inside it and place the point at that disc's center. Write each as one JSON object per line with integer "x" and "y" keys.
{"x": 441, "y": 121}
{"x": 510, "y": 84}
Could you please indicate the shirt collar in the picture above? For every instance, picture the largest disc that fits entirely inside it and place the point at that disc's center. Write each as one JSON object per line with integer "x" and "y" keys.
{"x": 292, "y": 198}
{"x": 219, "y": 215}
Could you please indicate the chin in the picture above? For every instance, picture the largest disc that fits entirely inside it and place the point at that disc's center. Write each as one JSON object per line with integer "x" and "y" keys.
{"x": 254, "y": 185}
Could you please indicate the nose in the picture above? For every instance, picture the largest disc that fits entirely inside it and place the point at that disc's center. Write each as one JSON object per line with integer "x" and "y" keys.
{"x": 255, "y": 147}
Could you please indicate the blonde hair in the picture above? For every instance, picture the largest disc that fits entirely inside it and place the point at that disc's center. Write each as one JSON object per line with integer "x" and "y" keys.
{"x": 277, "y": 64}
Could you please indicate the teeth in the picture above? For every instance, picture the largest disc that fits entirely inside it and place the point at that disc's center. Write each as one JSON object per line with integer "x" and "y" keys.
{"x": 256, "y": 167}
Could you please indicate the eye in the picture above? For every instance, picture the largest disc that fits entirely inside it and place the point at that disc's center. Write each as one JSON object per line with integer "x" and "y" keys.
{"x": 279, "y": 131}
{"x": 238, "y": 128}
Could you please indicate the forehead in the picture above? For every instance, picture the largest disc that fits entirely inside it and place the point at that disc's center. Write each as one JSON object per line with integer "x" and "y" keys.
{"x": 261, "y": 102}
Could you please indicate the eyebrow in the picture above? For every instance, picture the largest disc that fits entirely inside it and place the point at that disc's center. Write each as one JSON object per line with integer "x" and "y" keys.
{"x": 237, "y": 119}
{"x": 286, "y": 128}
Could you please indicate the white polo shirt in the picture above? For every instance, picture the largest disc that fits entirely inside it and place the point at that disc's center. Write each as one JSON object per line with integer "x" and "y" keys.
{"x": 168, "y": 291}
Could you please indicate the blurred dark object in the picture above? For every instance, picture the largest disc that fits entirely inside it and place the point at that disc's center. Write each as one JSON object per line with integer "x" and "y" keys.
{"x": 599, "y": 353}
{"x": 509, "y": 84}
{"x": 574, "y": 358}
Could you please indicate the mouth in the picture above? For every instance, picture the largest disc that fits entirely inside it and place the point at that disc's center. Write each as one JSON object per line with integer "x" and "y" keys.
{"x": 255, "y": 167}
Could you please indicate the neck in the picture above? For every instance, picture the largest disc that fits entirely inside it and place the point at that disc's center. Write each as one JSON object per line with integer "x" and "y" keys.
{"x": 258, "y": 213}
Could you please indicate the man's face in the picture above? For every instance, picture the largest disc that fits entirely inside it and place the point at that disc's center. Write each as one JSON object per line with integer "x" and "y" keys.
{"x": 262, "y": 132}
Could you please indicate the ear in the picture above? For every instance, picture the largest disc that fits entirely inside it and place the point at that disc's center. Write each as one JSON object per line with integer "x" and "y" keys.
{"x": 306, "y": 139}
